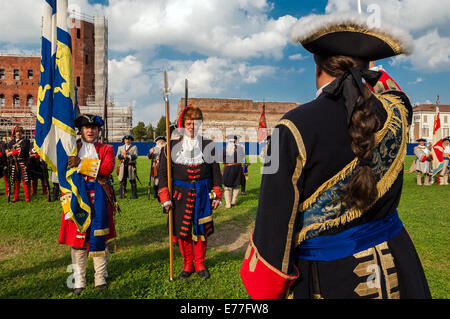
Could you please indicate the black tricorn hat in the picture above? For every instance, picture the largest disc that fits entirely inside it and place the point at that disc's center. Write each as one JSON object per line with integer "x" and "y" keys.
{"x": 421, "y": 140}
{"x": 160, "y": 138}
{"x": 446, "y": 139}
{"x": 350, "y": 35}
{"x": 88, "y": 120}
{"x": 127, "y": 137}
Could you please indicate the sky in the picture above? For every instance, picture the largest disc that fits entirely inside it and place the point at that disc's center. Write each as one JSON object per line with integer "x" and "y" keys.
{"x": 235, "y": 48}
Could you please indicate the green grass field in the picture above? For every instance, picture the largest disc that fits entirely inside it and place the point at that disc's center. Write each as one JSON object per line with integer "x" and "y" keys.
{"x": 34, "y": 265}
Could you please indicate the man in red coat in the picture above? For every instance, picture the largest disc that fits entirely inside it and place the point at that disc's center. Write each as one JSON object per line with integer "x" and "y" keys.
{"x": 96, "y": 162}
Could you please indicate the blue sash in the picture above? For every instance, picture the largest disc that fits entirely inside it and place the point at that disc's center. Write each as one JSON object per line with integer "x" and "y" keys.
{"x": 351, "y": 241}
{"x": 202, "y": 208}
{"x": 99, "y": 219}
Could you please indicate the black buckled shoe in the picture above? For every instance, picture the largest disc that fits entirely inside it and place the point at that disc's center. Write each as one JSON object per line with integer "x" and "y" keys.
{"x": 184, "y": 274}
{"x": 77, "y": 291}
{"x": 204, "y": 273}
{"x": 100, "y": 288}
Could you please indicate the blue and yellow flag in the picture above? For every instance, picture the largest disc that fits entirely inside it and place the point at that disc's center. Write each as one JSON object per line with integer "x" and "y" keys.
{"x": 55, "y": 137}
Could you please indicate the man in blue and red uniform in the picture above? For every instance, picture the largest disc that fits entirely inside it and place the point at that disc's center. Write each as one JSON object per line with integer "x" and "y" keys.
{"x": 197, "y": 190}
{"x": 96, "y": 162}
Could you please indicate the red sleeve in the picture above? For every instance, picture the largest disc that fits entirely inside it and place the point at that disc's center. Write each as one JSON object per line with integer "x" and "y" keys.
{"x": 108, "y": 161}
{"x": 262, "y": 280}
{"x": 163, "y": 194}
{"x": 218, "y": 191}
{"x": 385, "y": 83}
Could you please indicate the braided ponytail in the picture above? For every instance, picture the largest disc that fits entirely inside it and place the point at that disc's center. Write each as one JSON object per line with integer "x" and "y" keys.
{"x": 361, "y": 191}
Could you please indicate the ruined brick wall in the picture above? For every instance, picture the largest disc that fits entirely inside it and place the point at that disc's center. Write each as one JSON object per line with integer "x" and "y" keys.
{"x": 240, "y": 116}
{"x": 22, "y": 83}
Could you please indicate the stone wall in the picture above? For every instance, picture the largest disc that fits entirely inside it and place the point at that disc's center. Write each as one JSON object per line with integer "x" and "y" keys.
{"x": 237, "y": 116}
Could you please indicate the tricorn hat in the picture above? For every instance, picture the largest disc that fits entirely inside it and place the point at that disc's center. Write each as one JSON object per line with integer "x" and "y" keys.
{"x": 421, "y": 140}
{"x": 446, "y": 139}
{"x": 127, "y": 137}
{"x": 351, "y": 35}
{"x": 88, "y": 120}
{"x": 160, "y": 138}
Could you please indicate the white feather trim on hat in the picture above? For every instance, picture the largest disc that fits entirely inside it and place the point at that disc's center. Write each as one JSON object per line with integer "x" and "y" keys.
{"x": 311, "y": 25}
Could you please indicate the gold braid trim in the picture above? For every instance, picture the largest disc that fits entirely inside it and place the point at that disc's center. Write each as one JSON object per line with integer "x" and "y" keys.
{"x": 386, "y": 181}
{"x": 395, "y": 45}
{"x": 300, "y": 163}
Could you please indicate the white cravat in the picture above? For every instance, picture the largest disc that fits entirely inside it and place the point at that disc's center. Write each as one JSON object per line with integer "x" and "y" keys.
{"x": 190, "y": 152}
{"x": 319, "y": 91}
{"x": 88, "y": 150}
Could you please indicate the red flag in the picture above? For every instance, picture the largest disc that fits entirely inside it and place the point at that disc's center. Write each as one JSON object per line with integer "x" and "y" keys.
{"x": 262, "y": 129}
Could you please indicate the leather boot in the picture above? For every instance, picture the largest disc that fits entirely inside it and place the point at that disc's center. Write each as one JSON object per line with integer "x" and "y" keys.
{"x": 200, "y": 254}
{"x": 56, "y": 192}
{"x": 187, "y": 252}
{"x": 16, "y": 191}
{"x": 26, "y": 191}
{"x": 121, "y": 192}
{"x": 133, "y": 190}
{"x": 34, "y": 184}
{"x": 44, "y": 186}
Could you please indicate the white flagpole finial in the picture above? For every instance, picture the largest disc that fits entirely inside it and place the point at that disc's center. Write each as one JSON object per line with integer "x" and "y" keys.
{"x": 359, "y": 7}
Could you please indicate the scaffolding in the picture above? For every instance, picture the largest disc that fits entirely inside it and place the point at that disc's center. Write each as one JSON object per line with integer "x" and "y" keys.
{"x": 11, "y": 116}
{"x": 119, "y": 114}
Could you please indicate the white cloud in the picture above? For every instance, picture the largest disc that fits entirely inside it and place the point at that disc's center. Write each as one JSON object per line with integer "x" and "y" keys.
{"x": 297, "y": 57}
{"x": 432, "y": 54}
{"x": 130, "y": 80}
{"x": 417, "y": 81}
{"x": 234, "y": 28}
{"x": 428, "y": 21}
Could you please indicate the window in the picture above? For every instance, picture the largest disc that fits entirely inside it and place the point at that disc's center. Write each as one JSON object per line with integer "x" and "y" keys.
{"x": 445, "y": 118}
{"x": 16, "y": 100}
{"x": 78, "y": 33}
{"x": 2, "y": 100}
{"x": 2, "y": 74}
{"x": 78, "y": 81}
{"x": 425, "y": 120}
{"x": 16, "y": 75}
{"x": 445, "y": 131}
{"x": 30, "y": 74}
{"x": 425, "y": 131}
{"x": 30, "y": 100}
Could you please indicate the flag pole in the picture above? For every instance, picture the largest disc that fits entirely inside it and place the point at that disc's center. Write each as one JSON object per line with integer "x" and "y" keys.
{"x": 169, "y": 172}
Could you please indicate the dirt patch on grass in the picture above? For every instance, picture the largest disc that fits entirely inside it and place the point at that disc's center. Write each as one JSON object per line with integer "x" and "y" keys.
{"x": 7, "y": 251}
{"x": 231, "y": 237}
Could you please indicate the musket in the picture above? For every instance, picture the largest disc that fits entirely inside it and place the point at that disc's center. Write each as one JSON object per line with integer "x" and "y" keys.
{"x": 169, "y": 171}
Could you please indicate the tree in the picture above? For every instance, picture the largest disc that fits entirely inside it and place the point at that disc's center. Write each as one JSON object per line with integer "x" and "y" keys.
{"x": 161, "y": 127}
{"x": 139, "y": 131}
{"x": 150, "y": 131}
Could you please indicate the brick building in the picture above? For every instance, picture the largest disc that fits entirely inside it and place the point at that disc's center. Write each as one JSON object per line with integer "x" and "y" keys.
{"x": 83, "y": 53}
{"x": 20, "y": 74}
{"x": 19, "y": 84}
{"x": 237, "y": 116}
